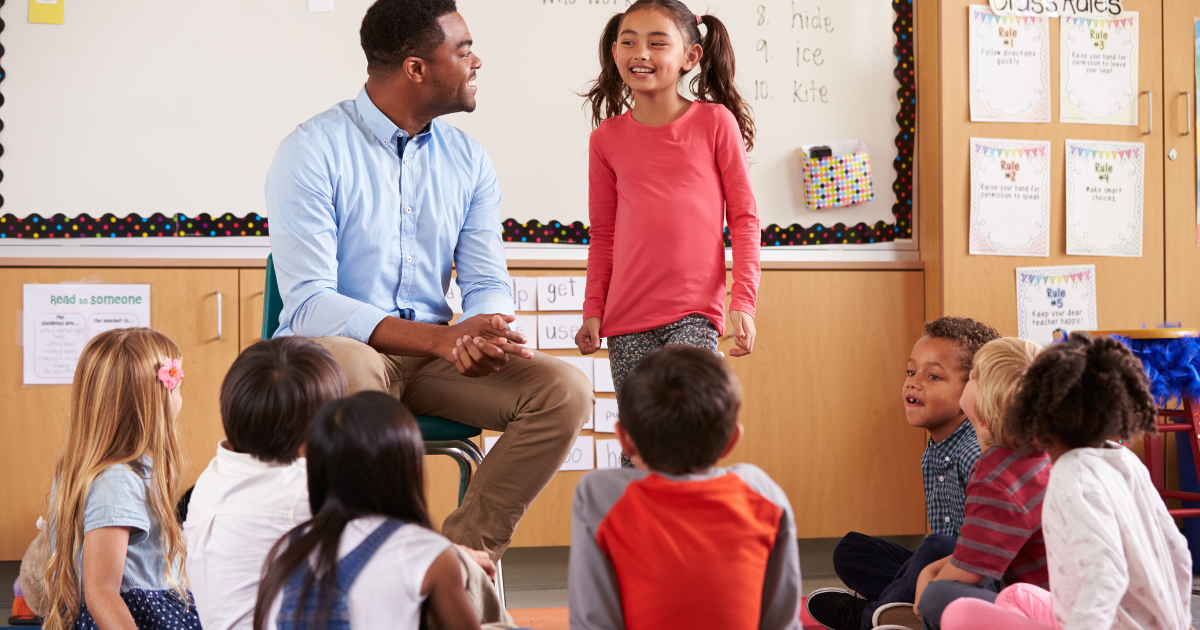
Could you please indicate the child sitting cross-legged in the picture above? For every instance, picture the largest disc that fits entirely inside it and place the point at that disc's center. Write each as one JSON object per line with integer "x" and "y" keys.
{"x": 1001, "y": 536}
{"x": 1116, "y": 558}
{"x": 116, "y": 550}
{"x": 882, "y": 575}
{"x": 369, "y": 557}
{"x": 255, "y": 490}
{"x": 676, "y": 542}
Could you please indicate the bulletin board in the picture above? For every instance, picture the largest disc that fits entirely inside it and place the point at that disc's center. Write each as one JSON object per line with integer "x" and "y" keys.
{"x": 137, "y": 118}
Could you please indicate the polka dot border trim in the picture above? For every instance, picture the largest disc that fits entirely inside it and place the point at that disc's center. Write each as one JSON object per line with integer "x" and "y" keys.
{"x": 133, "y": 226}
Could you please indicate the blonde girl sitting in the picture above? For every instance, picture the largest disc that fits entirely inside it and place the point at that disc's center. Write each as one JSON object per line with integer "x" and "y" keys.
{"x": 116, "y": 549}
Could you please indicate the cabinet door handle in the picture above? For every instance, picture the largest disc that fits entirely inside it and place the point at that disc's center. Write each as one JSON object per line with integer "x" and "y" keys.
{"x": 1189, "y": 112}
{"x": 218, "y": 315}
{"x": 1150, "y": 112}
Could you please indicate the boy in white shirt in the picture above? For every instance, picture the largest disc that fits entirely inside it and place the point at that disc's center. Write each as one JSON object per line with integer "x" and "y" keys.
{"x": 256, "y": 489}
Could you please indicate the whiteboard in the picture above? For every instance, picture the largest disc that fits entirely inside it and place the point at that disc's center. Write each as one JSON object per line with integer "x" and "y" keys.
{"x": 143, "y": 107}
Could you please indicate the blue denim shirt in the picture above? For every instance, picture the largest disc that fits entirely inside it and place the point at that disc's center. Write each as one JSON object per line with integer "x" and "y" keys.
{"x": 366, "y": 223}
{"x": 946, "y": 467}
{"x": 117, "y": 498}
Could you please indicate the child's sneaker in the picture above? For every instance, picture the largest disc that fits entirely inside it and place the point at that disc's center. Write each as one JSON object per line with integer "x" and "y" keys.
{"x": 836, "y": 608}
{"x": 897, "y": 615}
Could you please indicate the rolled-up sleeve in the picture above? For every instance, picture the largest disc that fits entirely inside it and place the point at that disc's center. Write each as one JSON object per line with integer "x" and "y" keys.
{"x": 479, "y": 255}
{"x": 304, "y": 230}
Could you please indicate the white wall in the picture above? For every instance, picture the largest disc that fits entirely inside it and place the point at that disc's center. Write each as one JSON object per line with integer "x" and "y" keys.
{"x": 178, "y": 105}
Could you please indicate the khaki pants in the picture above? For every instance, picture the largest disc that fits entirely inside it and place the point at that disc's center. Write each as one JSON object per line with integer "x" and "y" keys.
{"x": 540, "y": 404}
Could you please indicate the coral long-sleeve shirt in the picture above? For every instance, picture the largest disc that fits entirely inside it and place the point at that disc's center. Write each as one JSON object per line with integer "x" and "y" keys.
{"x": 659, "y": 198}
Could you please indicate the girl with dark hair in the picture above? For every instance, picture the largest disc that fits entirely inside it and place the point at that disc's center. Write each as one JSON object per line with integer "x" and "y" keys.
{"x": 1115, "y": 557}
{"x": 368, "y": 558}
{"x": 666, "y": 175}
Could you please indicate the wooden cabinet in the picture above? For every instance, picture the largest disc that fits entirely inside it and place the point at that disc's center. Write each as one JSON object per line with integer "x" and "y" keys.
{"x": 821, "y": 410}
{"x": 251, "y": 283}
{"x": 1180, "y": 132}
{"x": 197, "y": 308}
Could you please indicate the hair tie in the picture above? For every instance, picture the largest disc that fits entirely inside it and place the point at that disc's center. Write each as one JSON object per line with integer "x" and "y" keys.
{"x": 699, "y": 20}
{"x": 171, "y": 373}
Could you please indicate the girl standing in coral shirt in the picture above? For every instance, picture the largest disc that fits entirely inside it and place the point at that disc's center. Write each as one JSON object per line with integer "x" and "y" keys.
{"x": 666, "y": 175}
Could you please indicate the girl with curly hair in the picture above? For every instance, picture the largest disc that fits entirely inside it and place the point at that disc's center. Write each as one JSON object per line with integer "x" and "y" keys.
{"x": 1115, "y": 556}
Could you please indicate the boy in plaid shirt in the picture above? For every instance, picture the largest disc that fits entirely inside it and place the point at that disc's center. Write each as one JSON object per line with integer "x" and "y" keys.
{"x": 879, "y": 572}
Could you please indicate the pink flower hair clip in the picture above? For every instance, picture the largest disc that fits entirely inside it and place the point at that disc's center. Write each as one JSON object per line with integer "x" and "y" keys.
{"x": 171, "y": 373}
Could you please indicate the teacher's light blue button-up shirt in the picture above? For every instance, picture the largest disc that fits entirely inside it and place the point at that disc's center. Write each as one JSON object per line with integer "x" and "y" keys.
{"x": 365, "y": 223}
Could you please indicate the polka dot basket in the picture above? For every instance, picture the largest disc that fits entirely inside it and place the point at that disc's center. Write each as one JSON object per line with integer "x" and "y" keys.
{"x": 838, "y": 181}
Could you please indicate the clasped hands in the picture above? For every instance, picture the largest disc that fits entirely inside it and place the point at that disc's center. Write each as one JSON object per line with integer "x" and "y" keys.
{"x": 481, "y": 345}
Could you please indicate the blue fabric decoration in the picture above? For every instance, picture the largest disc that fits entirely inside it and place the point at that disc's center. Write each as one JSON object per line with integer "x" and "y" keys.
{"x": 1173, "y": 365}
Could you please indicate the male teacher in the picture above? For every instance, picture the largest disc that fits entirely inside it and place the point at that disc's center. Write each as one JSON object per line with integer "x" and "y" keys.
{"x": 371, "y": 203}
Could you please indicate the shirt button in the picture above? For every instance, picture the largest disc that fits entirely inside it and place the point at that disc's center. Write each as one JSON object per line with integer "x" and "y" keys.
{"x": 408, "y": 210}
{"x": 947, "y": 459}
{"x": 410, "y": 259}
{"x": 941, "y": 478}
{"x": 406, "y": 160}
{"x": 947, "y": 519}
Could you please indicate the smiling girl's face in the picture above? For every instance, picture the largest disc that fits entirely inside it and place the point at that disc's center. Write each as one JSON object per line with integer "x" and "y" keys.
{"x": 651, "y": 52}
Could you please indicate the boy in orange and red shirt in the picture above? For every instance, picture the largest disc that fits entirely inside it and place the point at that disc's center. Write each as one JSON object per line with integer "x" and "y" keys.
{"x": 675, "y": 542}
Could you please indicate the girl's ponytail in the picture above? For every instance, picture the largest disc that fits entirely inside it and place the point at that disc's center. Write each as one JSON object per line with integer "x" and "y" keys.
{"x": 714, "y": 82}
{"x": 608, "y": 96}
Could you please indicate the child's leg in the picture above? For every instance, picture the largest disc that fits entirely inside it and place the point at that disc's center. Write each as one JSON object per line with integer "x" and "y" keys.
{"x": 1029, "y": 601}
{"x": 903, "y": 587}
{"x": 977, "y": 614}
{"x": 624, "y": 353}
{"x": 867, "y": 565}
{"x": 693, "y": 330}
{"x": 940, "y": 594}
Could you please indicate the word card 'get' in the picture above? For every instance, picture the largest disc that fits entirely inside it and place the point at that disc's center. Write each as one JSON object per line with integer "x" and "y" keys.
{"x": 561, "y": 293}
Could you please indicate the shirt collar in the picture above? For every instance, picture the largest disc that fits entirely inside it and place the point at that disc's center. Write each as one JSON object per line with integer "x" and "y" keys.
{"x": 384, "y": 129}
{"x": 231, "y": 462}
{"x": 955, "y": 437}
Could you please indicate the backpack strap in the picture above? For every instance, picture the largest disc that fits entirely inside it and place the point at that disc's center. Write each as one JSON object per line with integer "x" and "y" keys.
{"x": 350, "y": 566}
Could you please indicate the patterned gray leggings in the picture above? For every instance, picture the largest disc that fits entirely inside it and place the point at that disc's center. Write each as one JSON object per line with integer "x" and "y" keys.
{"x": 626, "y": 351}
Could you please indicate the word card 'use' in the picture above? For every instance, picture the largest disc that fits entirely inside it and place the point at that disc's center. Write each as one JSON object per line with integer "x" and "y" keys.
{"x": 557, "y": 332}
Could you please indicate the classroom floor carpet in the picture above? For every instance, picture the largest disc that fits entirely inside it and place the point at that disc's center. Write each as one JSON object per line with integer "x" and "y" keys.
{"x": 557, "y": 619}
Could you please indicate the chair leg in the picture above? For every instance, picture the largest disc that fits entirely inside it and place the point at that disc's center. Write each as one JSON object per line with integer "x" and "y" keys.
{"x": 465, "y": 463}
{"x": 500, "y": 585}
{"x": 477, "y": 452}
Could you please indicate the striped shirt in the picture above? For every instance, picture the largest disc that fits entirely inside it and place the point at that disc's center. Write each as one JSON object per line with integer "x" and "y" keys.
{"x": 1002, "y": 531}
{"x": 946, "y": 466}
